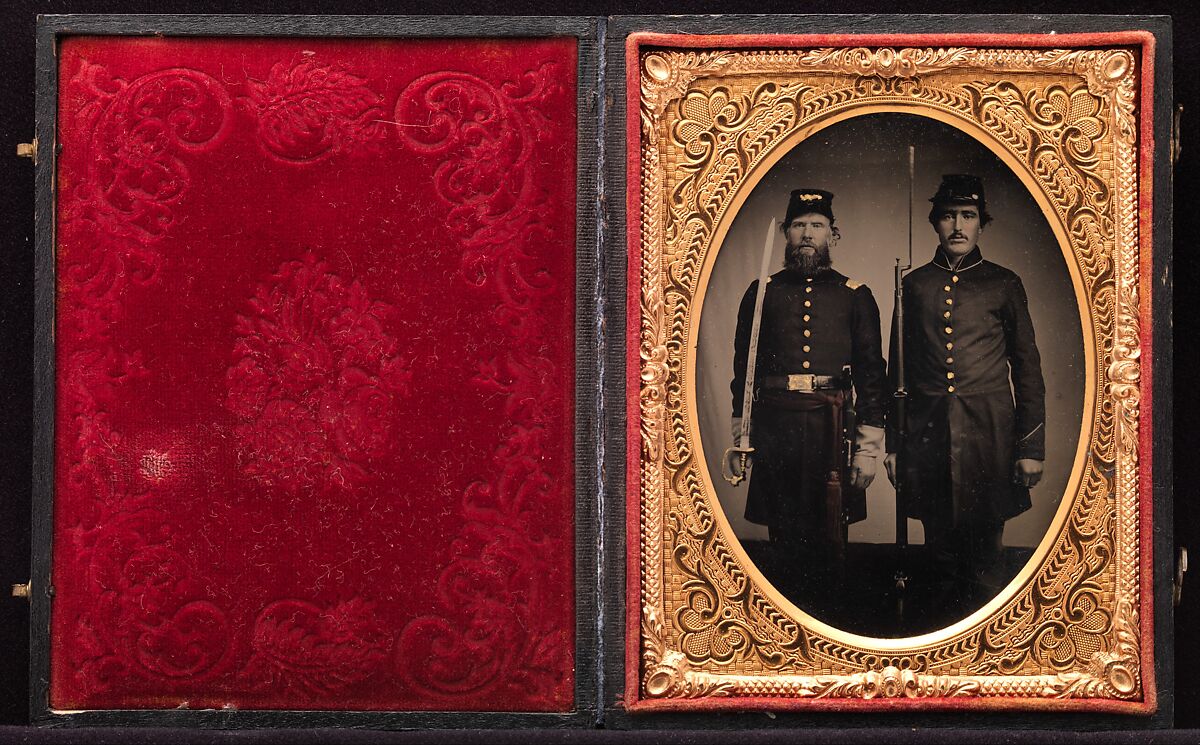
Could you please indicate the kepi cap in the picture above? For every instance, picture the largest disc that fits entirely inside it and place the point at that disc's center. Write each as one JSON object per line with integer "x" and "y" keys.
{"x": 960, "y": 188}
{"x": 804, "y": 201}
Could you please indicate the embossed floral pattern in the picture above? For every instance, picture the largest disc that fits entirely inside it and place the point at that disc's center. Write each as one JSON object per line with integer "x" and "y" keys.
{"x": 150, "y": 618}
{"x": 321, "y": 649}
{"x": 486, "y": 136}
{"x": 139, "y": 130}
{"x": 315, "y": 380}
{"x": 308, "y": 110}
{"x": 491, "y": 634}
{"x": 252, "y": 503}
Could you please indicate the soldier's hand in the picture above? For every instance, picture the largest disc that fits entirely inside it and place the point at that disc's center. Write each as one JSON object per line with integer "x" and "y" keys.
{"x": 862, "y": 471}
{"x": 736, "y": 429}
{"x": 1027, "y": 472}
{"x": 889, "y": 465}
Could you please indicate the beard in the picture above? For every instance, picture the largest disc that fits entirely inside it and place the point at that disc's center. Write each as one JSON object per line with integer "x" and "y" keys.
{"x": 805, "y": 262}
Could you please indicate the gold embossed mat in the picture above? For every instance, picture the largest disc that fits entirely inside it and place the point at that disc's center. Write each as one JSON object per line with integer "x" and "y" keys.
{"x": 710, "y": 120}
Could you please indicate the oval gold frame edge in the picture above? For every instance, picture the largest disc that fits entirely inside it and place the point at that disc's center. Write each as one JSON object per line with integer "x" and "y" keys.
{"x": 1087, "y": 421}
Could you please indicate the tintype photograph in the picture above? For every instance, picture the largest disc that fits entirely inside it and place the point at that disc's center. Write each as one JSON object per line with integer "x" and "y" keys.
{"x": 890, "y": 302}
{"x": 815, "y": 502}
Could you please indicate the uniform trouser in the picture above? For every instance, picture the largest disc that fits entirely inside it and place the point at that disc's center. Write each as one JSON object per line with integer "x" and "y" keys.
{"x": 798, "y": 438}
{"x": 967, "y": 560}
{"x": 807, "y": 556}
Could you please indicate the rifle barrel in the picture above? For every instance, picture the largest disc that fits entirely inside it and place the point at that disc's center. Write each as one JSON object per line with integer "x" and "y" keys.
{"x": 899, "y": 409}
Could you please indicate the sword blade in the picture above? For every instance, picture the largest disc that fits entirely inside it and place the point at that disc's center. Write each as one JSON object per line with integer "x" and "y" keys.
{"x": 752, "y": 359}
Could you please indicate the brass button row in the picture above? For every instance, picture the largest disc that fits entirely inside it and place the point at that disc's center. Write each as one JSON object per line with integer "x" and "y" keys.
{"x": 949, "y": 330}
{"x": 807, "y": 333}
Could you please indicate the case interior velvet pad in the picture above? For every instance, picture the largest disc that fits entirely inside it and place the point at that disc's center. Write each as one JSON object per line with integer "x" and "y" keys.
{"x": 314, "y": 370}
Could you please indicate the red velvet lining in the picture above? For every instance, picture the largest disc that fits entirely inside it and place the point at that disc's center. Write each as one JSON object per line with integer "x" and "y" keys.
{"x": 315, "y": 367}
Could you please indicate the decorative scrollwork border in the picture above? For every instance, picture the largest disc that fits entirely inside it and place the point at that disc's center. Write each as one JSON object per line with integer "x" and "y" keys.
{"x": 708, "y": 117}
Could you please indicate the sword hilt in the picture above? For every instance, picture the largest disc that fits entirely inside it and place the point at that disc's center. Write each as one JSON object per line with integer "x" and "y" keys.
{"x": 735, "y": 464}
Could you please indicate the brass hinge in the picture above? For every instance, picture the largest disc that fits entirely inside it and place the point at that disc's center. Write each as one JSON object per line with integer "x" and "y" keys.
{"x": 28, "y": 150}
{"x": 1181, "y": 568}
{"x": 21, "y": 591}
{"x": 1176, "y": 134}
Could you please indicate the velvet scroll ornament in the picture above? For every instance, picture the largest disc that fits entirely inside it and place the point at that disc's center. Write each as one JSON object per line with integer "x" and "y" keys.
{"x": 314, "y": 374}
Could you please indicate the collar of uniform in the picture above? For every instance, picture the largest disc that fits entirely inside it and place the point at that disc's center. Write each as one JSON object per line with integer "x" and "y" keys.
{"x": 970, "y": 261}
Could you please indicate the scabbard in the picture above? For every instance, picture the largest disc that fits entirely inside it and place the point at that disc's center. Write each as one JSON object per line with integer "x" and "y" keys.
{"x": 835, "y": 528}
{"x": 834, "y": 524}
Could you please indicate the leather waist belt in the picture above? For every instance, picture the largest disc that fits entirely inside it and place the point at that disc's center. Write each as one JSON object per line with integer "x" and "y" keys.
{"x": 804, "y": 382}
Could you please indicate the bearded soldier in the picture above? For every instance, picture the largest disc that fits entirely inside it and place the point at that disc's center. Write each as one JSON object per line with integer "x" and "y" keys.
{"x": 976, "y": 399}
{"x": 819, "y": 359}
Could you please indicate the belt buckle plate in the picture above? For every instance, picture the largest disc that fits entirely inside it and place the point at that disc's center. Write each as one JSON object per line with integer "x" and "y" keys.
{"x": 802, "y": 382}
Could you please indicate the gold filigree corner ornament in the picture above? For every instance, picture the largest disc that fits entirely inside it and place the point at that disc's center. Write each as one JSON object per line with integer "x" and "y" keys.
{"x": 668, "y": 672}
{"x": 1115, "y": 674}
{"x": 1065, "y": 120}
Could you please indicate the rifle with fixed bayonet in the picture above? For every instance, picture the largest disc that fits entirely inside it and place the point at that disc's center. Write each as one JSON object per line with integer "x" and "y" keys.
{"x": 899, "y": 406}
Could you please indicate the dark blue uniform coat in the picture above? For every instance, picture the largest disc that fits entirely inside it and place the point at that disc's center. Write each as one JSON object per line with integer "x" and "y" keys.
{"x": 816, "y": 325}
{"x": 976, "y": 394}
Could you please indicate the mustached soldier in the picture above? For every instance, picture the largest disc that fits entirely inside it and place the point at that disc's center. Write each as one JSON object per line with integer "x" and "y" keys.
{"x": 819, "y": 357}
{"x": 976, "y": 400}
